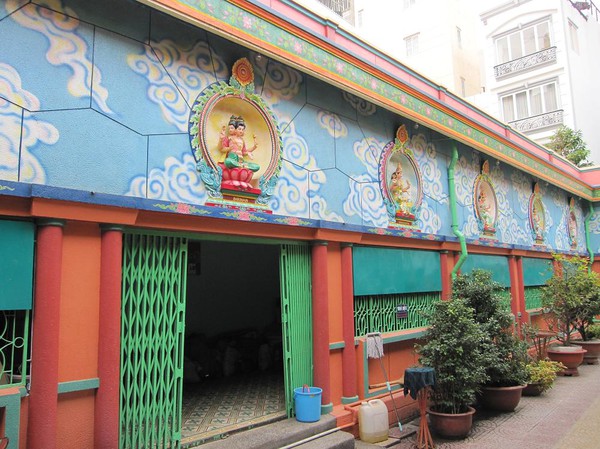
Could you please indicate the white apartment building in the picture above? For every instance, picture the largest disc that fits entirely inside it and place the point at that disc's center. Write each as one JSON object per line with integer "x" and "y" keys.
{"x": 542, "y": 61}
{"x": 533, "y": 64}
{"x": 436, "y": 38}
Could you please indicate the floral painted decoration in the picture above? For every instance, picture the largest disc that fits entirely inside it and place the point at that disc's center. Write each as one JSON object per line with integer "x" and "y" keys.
{"x": 242, "y": 74}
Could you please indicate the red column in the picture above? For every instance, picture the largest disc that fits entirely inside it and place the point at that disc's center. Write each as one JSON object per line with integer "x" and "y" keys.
{"x": 320, "y": 319}
{"x": 517, "y": 305}
{"x": 43, "y": 395}
{"x": 446, "y": 281}
{"x": 524, "y": 318}
{"x": 349, "y": 386}
{"x": 106, "y": 416}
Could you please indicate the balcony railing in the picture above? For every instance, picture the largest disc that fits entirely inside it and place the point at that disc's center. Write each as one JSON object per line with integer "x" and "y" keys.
{"x": 338, "y": 6}
{"x": 538, "y": 121}
{"x": 588, "y": 5}
{"x": 546, "y": 56}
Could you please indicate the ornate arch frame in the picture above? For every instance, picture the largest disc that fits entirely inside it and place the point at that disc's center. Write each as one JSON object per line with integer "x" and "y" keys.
{"x": 211, "y": 111}
{"x": 397, "y": 168}
{"x": 485, "y": 201}
{"x": 537, "y": 216}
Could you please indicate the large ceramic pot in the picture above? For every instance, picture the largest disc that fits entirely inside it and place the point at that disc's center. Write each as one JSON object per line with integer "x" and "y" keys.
{"x": 593, "y": 351}
{"x": 570, "y": 356}
{"x": 451, "y": 425}
{"x": 501, "y": 399}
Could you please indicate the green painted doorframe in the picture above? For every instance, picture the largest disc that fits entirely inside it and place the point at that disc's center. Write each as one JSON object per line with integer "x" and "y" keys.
{"x": 296, "y": 319}
{"x": 152, "y": 334}
{"x": 153, "y": 326}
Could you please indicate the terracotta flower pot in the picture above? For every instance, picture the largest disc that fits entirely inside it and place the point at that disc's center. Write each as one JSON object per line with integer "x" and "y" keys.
{"x": 451, "y": 425}
{"x": 570, "y": 356}
{"x": 532, "y": 390}
{"x": 501, "y": 399}
{"x": 593, "y": 351}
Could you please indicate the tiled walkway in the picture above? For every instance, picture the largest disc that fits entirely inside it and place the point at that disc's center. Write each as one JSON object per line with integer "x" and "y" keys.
{"x": 566, "y": 417}
{"x": 225, "y": 405}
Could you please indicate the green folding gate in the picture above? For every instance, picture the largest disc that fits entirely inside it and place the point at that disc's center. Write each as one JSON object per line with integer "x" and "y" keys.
{"x": 152, "y": 330}
{"x": 296, "y": 315}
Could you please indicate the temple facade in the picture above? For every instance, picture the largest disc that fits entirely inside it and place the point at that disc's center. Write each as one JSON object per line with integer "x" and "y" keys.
{"x": 195, "y": 191}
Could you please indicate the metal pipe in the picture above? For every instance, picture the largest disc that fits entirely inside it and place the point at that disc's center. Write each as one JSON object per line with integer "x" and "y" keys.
{"x": 318, "y": 435}
{"x": 454, "y": 225}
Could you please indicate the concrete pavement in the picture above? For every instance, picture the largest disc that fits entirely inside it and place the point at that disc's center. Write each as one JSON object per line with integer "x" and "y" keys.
{"x": 565, "y": 417}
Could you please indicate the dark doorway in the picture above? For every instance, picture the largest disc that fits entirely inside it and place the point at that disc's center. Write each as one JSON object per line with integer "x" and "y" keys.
{"x": 233, "y": 371}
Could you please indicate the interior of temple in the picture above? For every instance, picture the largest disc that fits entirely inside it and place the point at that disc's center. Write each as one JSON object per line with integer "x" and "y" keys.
{"x": 233, "y": 370}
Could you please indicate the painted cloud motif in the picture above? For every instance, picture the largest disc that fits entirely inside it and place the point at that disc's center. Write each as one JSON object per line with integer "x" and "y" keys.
{"x": 34, "y": 131}
{"x": 365, "y": 196}
{"x": 177, "y": 181}
{"x": 65, "y": 47}
{"x": 191, "y": 67}
{"x": 332, "y": 123}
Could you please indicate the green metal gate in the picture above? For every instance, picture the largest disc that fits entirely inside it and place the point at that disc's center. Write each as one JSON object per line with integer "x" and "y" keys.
{"x": 152, "y": 330}
{"x": 296, "y": 317}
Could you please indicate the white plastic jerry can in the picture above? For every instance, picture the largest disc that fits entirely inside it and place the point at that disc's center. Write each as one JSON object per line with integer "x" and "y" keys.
{"x": 373, "y": 423}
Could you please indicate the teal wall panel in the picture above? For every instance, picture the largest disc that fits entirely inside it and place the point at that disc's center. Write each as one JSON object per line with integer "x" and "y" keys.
{"x": 498, "y": 265}
{"x": 380, "y": 271}
{"x": 536, "y": 271}
{"x": 16, "y": 264}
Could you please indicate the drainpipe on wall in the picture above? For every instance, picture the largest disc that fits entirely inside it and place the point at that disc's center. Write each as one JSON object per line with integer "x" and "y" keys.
{"x": 588, "y": 244}
{"x": 454, "y": 225}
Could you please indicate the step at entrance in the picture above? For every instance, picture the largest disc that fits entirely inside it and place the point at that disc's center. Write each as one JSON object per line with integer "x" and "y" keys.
{"x": 287, "y": 432}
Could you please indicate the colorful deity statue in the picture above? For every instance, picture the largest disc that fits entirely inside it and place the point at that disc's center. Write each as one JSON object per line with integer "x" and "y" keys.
{"x": 235, "y": 155}
{"x": 233, "y": 147}
{"x": 483, "y": 208}
{"x": 400, "y": 190}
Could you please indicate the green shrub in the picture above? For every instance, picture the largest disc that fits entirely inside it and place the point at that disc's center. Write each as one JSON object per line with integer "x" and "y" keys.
{"x": 543, "y": 373}
{"x": 453, "y": 348}
{"x": 572, "y": 298}
{"x": 506, "y": 353}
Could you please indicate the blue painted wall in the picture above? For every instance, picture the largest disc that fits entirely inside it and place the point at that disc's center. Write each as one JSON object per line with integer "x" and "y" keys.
{"x": 96, "y": 96}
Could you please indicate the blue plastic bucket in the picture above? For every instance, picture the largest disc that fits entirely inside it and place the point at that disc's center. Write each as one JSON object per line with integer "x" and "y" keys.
{"x": 307, "y": 402}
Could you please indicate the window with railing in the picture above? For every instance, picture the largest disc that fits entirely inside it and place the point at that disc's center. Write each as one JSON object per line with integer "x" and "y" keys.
{"x": 412, "y": 44}
{"x": 393, "y": 287}
{"x": 14, "y": 344}
{"x": 408, "y": 3}
{"x": 532, "y": 101}
{"x": 522, "y": 42}
{"x": 536, "y": 273}
{"x": 16, "y": 300}
{"x": 533, "y": 297}
{"x": 379, "y": 313}
{"x": 337, "y": 6}
{"x": 505, "y": 299}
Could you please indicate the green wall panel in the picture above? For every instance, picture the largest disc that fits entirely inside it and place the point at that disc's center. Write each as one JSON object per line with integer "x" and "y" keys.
{"x": 536, "y": 271}
{"x": 498, "y": 265}
{"x": 16, "y": 264}
{"x": 380, "y": 271}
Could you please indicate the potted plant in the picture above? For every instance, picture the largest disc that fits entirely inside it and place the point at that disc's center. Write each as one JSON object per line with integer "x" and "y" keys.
{"x": 506, "y": 353}
{"x": 453, "y": 348}
{"x": 541, "y": 375}
{"x": 570, "y": 299}
{"x": 591, "y": 343}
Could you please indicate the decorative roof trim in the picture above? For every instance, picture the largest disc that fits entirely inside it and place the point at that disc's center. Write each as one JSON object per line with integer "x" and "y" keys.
{"x": 354, "y": 66}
